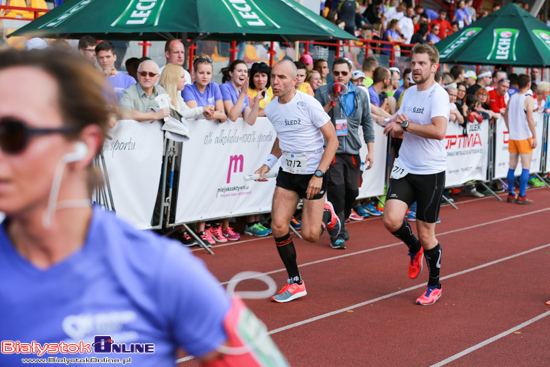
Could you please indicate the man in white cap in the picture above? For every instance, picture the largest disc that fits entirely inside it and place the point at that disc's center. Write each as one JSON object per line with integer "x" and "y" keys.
{"x": 483, "y": 80}
{"x": 358, "y": 79}
{"x": 470, "y": 78}
{"x": 36, "y": 43}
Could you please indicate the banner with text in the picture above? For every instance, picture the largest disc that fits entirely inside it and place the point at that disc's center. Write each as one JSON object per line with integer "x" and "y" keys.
{"x": 214, "y": 163}
{"x": 467, "y": 156}
{"x": 502, "y": 157}
{"x": 374, "y": 179}
{"x": 133, "y": 157}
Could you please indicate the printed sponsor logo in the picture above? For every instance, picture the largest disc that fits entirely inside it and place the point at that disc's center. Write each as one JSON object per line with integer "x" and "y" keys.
{"x": 460, "y": 141}
{"x": 247, "y": 13}
{"x": 459, "y": 42}
{"x": 504, "y": 44}
{"x": 69, "y": 13}
{"x": 234, "y": 161}
{"x": 140, "y": 13}
{"x": 544, "y": 36}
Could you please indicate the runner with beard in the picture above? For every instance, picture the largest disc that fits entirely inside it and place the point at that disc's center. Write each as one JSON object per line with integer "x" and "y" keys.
{"x": 302, "y": 128}
{"x": 419, "y": 172}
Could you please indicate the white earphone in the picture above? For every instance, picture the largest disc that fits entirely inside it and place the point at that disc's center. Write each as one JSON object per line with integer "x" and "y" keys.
{"x": 78, "y": 154}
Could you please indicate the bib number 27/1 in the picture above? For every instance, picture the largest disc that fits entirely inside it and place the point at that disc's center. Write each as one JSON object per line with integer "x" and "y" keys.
{"x": 397, "y": 171}
{"x": 295, "y": 163}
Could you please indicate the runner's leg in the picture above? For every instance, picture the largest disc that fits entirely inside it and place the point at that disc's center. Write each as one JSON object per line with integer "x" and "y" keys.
{"x": 312, "y": 217}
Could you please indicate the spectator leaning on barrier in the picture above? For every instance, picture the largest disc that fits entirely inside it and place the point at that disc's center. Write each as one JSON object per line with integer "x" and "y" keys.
{"x": 455, "y": 114}
{"x": 137, "y": 101}
{"x": 518, "y": 116}
{"x": 106, "y": 58}
{"x": 541, "y": 100}
{"x": 80, "y": 265}
{"x": 86, "y": 47}
{"x": 485, "y": 110}
{"x": 351, "y": 111}
{"x": 174, "y": 51}
{"x": 259, "y": 79}
{"x": 497, "y": 100}
{"x": 483, "y": 80}
{"x": 204, "y": 92}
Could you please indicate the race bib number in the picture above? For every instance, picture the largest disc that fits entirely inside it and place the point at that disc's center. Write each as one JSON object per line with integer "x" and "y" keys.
{"x": 295, "y": 163}
{"x": 397, "y": 171}
{"x": 341, "y": 127}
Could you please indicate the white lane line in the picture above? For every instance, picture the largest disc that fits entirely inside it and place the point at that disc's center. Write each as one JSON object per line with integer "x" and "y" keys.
{"x": 345, "y": 309}
{"x": 389, "y": 295}
{"x": 490, "y": 340}
{"x": 399, "y": 243}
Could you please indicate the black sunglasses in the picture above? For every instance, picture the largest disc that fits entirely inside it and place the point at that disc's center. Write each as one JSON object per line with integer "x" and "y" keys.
{"x": 343, "y": 73}
{"x": 150, "y": 73}
{"x": 15, "y": 135}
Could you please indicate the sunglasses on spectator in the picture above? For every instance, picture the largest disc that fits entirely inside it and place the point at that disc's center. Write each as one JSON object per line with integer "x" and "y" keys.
{"x": 203, "y": 59}
{"x": 15, "y": 134}
{"x": 150, "y": 73}
{"x": 343, "y": 73}
{"x": 504, "y": 80}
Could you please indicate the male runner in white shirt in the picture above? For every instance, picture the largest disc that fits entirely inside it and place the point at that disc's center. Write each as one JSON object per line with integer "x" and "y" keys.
{"x": 302, "y": 126}
{"x": 419, "y": 172}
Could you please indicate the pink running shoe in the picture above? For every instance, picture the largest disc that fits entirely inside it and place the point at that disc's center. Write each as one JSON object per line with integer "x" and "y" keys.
{"x": 231, "y": 235}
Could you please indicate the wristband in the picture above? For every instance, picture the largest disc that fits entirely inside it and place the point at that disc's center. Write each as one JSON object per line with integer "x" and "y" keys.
{"x": 271, "y": 160}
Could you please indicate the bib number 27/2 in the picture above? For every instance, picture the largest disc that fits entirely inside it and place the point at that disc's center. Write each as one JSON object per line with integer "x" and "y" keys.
{"x": 295, "y": 163}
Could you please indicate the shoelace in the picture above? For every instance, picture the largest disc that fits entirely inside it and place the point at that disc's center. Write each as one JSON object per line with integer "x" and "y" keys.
{"x": 412, "y": 257}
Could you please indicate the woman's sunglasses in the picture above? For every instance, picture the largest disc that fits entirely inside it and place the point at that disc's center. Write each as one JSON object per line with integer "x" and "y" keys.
{"x": 15, "y": 135}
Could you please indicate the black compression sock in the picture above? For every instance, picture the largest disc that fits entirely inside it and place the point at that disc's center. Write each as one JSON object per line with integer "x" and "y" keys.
{"x": 286, "y": 249}
{"x": 406, "y": 235}
{"x": 433, "y": 259}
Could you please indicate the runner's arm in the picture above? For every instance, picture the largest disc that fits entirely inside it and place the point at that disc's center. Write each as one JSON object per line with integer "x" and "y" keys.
{"x": 276, "y": 151}
{"x": 529, "y": 104}
{"x": 435, "y": 130}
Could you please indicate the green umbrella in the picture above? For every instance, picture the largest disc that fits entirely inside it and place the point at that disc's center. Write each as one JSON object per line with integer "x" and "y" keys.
{"x": 226, "y": 20}
{"x": 509, "y": 36}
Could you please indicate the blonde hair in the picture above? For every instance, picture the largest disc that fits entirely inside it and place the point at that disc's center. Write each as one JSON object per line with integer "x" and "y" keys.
{"x": 169, "y": 80}
{"x": 543, "y": 87}
{"x": 202, "y": 59}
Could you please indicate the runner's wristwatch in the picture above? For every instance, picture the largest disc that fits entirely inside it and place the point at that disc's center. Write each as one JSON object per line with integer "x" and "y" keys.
{"x": 319, "y": 173}
{"x": 405, "y": 125}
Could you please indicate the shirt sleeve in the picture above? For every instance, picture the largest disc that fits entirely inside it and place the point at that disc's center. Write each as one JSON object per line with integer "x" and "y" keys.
{"x": 193, "y": 302}
{"x": 225, "y": 92}
{"x": 317, "y": 113}
{"x": 440, "y": 104}
{"x": 188, "y": 94}
{"x": 126, "y": 101}
{"x": 216, "y": 92}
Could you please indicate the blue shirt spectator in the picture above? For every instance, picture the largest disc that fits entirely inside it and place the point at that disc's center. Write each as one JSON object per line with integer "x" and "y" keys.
{"x": 374, "y": 97}
{"x": 209, "y": 97}
{"x": 230, "y": 94}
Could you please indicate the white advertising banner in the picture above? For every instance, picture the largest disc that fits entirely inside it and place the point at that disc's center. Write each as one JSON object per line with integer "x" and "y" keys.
{"x": 133, "y": 157}
{"x": 374, "y": 179}
{"x": 467, "y": 156}
{"x": 502, "y": 157}
{"x": 214, "y": 162}
{"x": 546, "y": 122}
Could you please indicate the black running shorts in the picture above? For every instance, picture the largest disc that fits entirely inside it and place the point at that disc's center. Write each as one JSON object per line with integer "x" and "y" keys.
{"x": 426, "y": 190}
{"x": 299, "y": 183}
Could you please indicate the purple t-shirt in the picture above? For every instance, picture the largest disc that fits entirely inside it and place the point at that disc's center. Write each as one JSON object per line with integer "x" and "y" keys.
{"x": 230, "y": 94}
{"x": 374, "y": 97}
{"x": 119, "y": 83}
{"x": 210, "y": 96}
{"x": 394, "y": 35}
{"x": 133, "y": 286}
{"x": 432, "y": 37}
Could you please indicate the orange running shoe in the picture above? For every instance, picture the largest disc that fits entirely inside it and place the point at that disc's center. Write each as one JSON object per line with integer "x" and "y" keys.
{"x": 290, "y": 292}
{"x": 416, "y": 264}
{"x": 429, "y": 297}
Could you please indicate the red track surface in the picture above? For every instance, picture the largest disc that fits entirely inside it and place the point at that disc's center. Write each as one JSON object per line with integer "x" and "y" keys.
{"x": 360, "y": 308}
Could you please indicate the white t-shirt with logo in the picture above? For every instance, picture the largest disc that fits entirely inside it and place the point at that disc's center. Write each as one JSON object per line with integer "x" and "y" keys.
{"x": 422, "y": 156}
{"x": 298, "y": 124}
